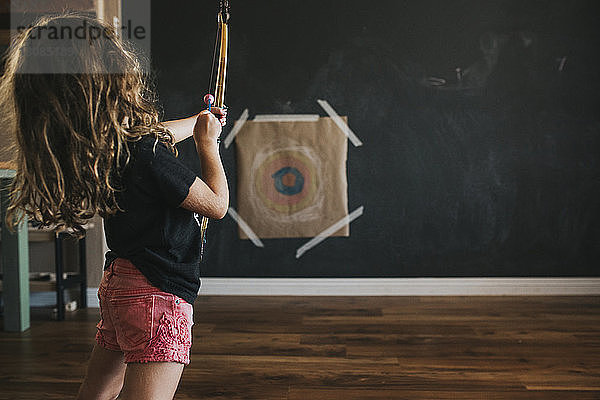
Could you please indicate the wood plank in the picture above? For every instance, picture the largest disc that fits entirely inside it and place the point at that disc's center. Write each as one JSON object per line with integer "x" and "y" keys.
{"x": 363, "y": 348}
{"x": 376, "y": 393}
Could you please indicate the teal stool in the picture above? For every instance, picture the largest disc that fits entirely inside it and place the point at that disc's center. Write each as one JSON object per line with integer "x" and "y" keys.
{"x": 15, "y": 264}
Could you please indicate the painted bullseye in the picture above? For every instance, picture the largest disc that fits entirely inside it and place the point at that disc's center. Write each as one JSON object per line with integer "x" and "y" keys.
{"x": 286, "y": 181}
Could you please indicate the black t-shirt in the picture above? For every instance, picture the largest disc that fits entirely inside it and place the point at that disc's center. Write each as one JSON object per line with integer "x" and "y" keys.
{"x": 161, "y": 239}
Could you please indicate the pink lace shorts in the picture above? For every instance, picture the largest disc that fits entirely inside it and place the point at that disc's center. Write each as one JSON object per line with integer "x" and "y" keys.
{"x": 140, "y": 320}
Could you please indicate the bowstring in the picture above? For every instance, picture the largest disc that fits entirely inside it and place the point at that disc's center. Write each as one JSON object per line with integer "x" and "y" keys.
{"x": 214, "y": 59}
{"x": 204, "y": 227}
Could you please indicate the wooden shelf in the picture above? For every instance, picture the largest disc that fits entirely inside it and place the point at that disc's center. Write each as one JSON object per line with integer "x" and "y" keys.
{"x": 7, "y": 165}
{"x": 47, "y": 235}
{"x": 4, "y": 37}
{"x": 49, "y": 285}
{"x": 43, "y": 6}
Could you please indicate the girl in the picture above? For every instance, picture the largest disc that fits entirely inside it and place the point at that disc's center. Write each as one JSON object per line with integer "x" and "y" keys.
{"x": 88, "y": 141}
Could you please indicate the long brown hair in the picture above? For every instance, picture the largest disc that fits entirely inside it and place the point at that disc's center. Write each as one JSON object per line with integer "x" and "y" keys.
{"x": 71, "y": 129}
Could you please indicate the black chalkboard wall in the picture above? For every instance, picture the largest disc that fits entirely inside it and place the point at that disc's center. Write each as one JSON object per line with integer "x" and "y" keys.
{"x": 493, "y": 174}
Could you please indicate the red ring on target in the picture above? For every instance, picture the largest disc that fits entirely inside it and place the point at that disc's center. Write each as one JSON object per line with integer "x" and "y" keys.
{"x": 265, "y": 182}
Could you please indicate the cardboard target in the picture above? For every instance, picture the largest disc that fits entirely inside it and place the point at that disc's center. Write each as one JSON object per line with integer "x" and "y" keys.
{"x": 291, "y": 177}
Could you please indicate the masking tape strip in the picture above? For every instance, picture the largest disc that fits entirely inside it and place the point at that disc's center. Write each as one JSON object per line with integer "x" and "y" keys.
{"x": 287, "y": 118}
{"x": 236, "y": 128}
{"x": 245, "y": 227}
{"x": 340, "y": 122}
{"x": 329, "y": 231}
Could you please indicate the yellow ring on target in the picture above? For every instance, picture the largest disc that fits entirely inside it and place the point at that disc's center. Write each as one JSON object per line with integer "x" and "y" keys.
{"x": 309, "y": 189}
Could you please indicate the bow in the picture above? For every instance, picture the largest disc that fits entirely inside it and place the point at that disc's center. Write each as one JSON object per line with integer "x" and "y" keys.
{"x": 218, "y": 99}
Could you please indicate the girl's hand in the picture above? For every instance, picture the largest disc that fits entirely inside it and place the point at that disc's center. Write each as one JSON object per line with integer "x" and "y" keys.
{"x": 220, "y": 113}
{"x": 208, "y": 127}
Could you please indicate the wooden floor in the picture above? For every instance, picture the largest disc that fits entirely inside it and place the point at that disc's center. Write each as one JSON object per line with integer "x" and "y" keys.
{"x": 363, "y": 348}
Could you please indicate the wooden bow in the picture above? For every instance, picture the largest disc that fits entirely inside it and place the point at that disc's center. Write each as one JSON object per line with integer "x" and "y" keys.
{"x": 218, "y": 99}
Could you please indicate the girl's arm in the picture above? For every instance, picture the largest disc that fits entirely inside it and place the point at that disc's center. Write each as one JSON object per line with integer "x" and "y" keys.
{"x": 208, "y": 196}
{"x": 181, "y": 128}
{"x": 184, "y": 128}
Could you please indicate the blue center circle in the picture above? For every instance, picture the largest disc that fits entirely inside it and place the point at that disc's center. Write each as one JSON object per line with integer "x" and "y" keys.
{"x": 282, "y": 187}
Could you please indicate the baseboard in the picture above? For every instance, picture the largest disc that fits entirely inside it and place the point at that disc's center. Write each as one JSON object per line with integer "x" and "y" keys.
{"x": 401, "y": 286}
{"x": 371, "y": 287}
